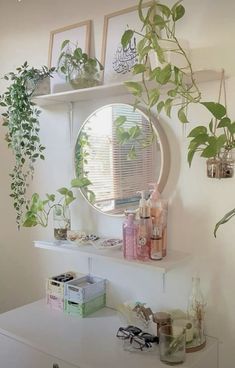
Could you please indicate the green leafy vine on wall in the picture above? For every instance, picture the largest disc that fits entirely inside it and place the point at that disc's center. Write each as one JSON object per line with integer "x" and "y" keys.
{"x": 21, "y": 120}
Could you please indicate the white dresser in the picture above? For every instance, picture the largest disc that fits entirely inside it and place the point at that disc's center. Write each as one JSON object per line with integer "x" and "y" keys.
{"x": 34, "y": 336}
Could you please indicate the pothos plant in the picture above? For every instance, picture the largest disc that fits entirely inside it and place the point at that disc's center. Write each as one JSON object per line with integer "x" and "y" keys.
{"x": 21, "y": 120}
{"x": 167, "y": 86}
{"x": 38, "y": 210}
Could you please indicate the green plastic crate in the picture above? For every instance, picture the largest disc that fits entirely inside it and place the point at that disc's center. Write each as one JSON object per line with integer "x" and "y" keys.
{"x": 84, "y": 309}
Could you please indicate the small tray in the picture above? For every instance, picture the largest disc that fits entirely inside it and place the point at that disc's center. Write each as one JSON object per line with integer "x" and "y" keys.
{"x": 108, "y": 243}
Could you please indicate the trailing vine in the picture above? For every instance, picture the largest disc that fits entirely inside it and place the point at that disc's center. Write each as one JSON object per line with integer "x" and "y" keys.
{"x": 21, "y": 119}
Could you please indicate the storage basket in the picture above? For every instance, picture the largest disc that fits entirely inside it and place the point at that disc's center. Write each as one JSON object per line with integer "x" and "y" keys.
{"x": 84, "y": 309}
{"x": 83, "y": 289}
{"x": 55, "y": 287}
{"x": 55, "y": 302}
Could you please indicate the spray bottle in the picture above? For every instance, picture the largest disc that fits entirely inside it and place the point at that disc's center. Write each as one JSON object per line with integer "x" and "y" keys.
{"x": 144, "y": 230}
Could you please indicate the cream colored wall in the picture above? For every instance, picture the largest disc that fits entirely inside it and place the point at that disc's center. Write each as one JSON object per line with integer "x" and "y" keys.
{"x": 196, "y": 203}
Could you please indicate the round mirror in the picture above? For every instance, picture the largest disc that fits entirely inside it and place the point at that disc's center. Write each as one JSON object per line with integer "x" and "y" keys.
{"x": 118, "y": 153}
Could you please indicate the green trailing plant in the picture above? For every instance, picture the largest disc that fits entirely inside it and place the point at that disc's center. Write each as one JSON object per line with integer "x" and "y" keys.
{"x": 21, "y": 120}
{"x": 77, "y": 67}
{"x": 81, "y": 159}
{"x": 38, "y": 210}
{"x": 180, "y": 89}
{"x": 167, "y": 86}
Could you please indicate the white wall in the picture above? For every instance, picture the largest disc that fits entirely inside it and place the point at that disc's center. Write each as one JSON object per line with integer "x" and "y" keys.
{"x": 196, "y": 203}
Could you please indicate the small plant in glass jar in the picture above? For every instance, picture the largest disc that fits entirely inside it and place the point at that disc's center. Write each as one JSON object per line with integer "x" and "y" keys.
{"x": 38, "y": 210}
{"x": 80, "y": 70}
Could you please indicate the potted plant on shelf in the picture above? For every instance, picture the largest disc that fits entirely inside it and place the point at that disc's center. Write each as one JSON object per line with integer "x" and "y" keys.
{"x": 80, "y": 70}
{"x": 21, "y": 119}
{"x": 38, "y": 210}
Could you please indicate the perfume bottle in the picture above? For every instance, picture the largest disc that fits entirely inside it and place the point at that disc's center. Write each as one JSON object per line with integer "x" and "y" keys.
{"x": 156, "y": 243}
{"x": 159, "y": 207}
{"x": 144, "y": 230}
{"x": 129, "y": 237}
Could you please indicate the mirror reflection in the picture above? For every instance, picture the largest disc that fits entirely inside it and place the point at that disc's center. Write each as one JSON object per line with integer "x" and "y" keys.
{"x": 117, "y": 154}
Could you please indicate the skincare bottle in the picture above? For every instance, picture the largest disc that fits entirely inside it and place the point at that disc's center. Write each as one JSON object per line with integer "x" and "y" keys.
{"x": 144, "y": 230}
{"x": 156, "y": 243}
{"x": 159, "y": 208}
{"x": 155, "y": 203}
{"x": 129, "y": 237}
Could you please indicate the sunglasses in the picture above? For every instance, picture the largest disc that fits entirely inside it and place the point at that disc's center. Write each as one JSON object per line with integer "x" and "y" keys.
{"x": 137, "y": 338}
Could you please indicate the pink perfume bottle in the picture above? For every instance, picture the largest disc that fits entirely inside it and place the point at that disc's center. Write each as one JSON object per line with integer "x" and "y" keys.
{"x": 129, "y": 237}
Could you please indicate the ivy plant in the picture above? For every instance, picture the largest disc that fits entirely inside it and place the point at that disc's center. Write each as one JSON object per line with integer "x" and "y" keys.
{"x": 21, "y": 120}
{"x": 38, "y": 210}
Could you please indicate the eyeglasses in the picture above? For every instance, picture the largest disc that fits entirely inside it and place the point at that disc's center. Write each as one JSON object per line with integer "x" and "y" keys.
{"x": 137, "y": 338}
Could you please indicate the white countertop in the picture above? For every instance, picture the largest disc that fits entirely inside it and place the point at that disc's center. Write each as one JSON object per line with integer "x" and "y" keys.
{"x": 85, "y": 342}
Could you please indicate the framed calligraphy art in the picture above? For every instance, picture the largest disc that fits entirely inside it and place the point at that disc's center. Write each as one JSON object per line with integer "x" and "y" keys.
{"x": 116, "y": 60}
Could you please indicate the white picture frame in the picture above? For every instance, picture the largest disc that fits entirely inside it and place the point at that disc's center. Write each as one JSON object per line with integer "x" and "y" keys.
{"x": 80, "y": 34}
{"x": 115, "y": 25}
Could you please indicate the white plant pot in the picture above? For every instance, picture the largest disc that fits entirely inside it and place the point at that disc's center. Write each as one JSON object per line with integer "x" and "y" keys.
{"x": 171, "y": 57}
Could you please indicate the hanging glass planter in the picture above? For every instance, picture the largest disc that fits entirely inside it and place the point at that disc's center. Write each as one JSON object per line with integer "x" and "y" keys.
{"x": 221, "y": 167}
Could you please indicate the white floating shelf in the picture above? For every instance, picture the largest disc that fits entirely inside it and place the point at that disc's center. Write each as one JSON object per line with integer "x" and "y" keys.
{"x": 110, "y": 90}
{"x": 173, "y": 259}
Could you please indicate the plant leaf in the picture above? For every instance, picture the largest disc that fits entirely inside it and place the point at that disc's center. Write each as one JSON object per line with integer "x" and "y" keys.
{"x": 135, "y": 88}
{"x": 217, "y": 110}
{"x": 62, "y": 191}
{"x": 126, "y": 37}
{"x": 191, "y": 153}
{"x": 182, "y": 116}
{"x": 224, "y": 219}
{"x": 120, "y": 120}
{"x": 178, "y": 12}
{"x": 64, "y": 43}
{"x": 225, "y": 122}
{"x": 198, "y": 130}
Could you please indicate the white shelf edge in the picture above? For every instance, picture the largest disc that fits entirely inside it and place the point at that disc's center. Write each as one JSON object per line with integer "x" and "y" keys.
{"x": 109, "y": 90}
{"x": 173, "y": 259}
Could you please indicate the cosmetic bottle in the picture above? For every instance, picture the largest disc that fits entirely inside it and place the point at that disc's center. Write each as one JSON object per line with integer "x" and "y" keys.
{"x": 156, "y": 243}
{"x": 144, "y": 230}
{"x": 158, "y": 210}
{"x": 129, "y": 237}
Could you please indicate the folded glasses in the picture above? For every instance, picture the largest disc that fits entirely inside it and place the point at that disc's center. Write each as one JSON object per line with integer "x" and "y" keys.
{"x": 137, "y": 338}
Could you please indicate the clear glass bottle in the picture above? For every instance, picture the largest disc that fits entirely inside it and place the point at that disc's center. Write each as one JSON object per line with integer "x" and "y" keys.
{"x": 196, "y": 312}
{"x": 129, "y": 237}
{"x": 62, "y": 222}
